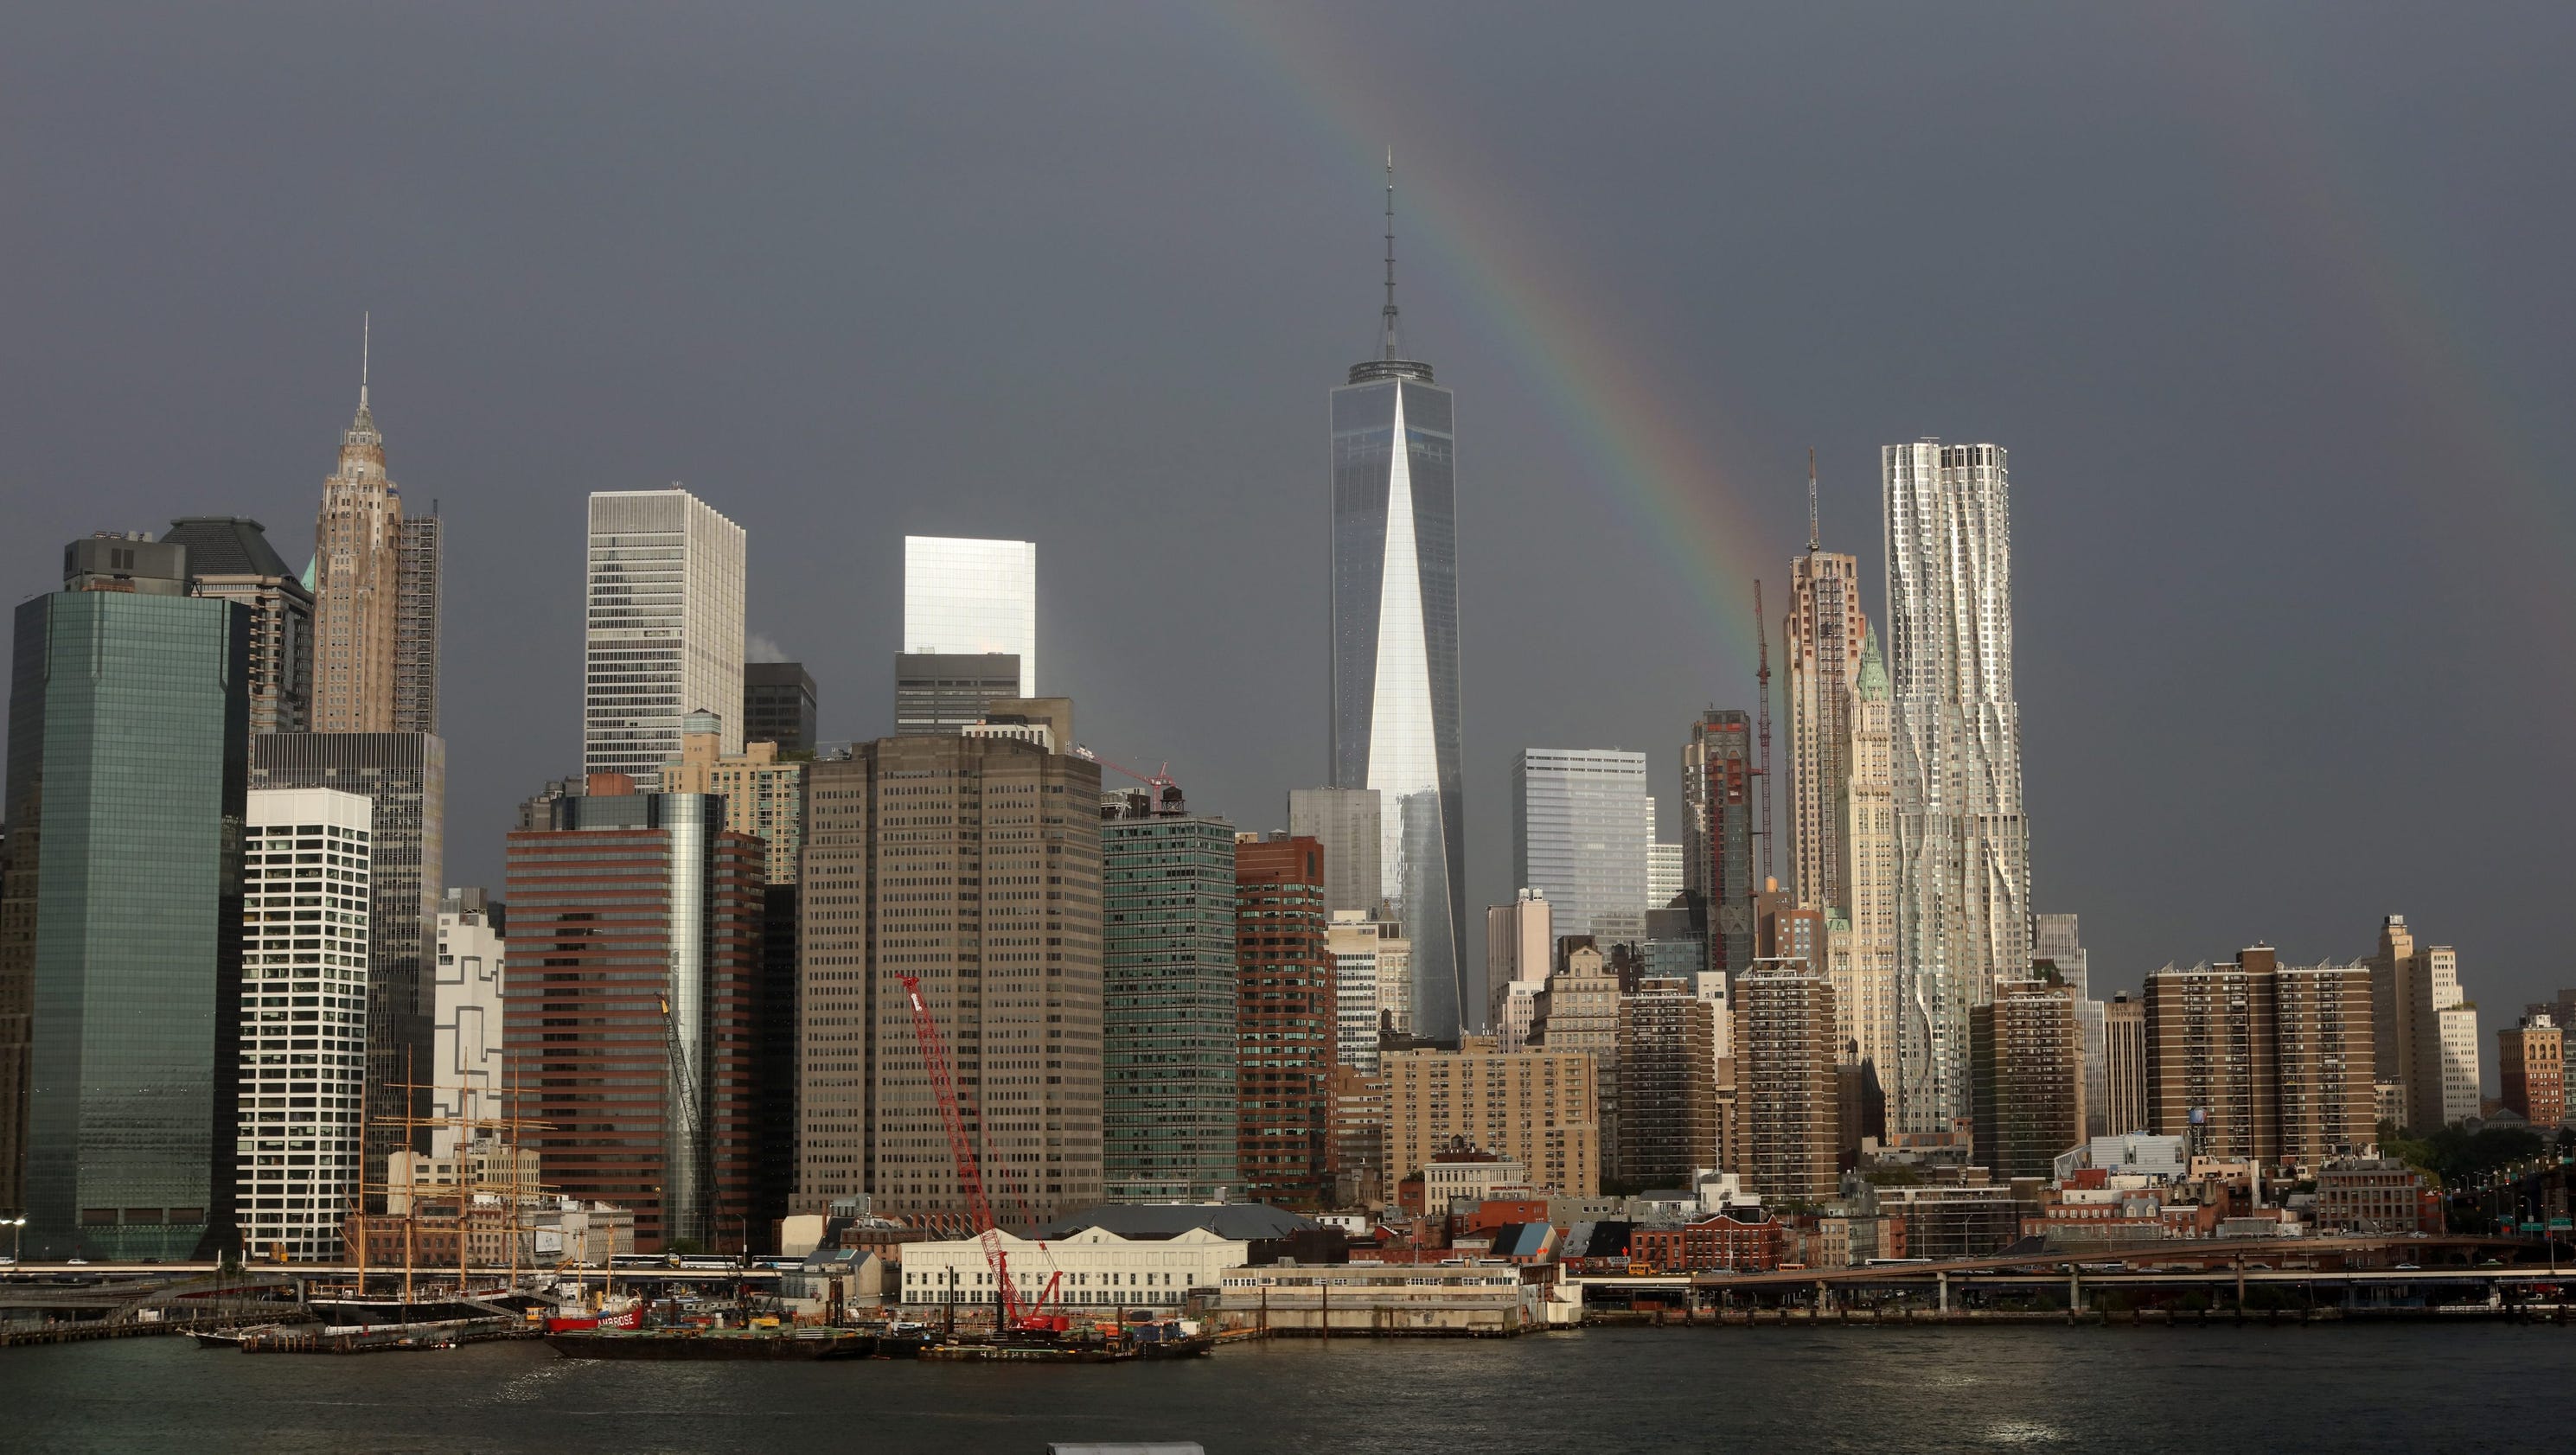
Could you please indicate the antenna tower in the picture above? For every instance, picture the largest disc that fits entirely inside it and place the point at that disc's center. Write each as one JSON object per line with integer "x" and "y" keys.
{"x": 1390, "y": 253}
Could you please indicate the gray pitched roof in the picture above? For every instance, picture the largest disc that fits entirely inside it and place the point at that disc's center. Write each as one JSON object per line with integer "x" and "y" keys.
{"x": 227, "y": 545}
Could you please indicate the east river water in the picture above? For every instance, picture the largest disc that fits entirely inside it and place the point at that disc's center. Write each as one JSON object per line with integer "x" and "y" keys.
{"x": 1600, "y": 1392}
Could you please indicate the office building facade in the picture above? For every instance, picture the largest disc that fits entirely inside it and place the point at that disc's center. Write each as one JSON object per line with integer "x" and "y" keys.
{"x": 632, "y": 995}
{"x": 1168, "y": 1095}
{"x": 972, "y": 864}
{"x": 2025, "y": 1054}
{"x": 940, "y": 692}
{"x": 964, "y": 598}
{"x": 1537, "y": 1108}
{"x": 1820, "y": 642}
{"x": 230, "y": 558}
{"x": 1962, "y": 843}
{"x": 2531, "y": 1062}
{"x": 1582, "y": 827}
{"x": 403, "y": 776}
{"x": 357, "y": 584}
{"x": 1395, "y": 695}
{"x": 2260, "y": 1061}
{"x": 302, "y": 1082}
{"x": 778, "y": 706}
{"x": 1520, "y": 949}
{"x": 419, "y": 563}
{"x": 2124, "y": 1067}
{"x": 662, "y": 630}
{"x": 1285, "y": 1019}
{"x": 1788, "y": 1097}
{"x": 1865, "y": 970}
{"x": 470, "y": 1085}
{"x": 1352, "y": 940}
{"x": 120, "y": 915}
{"x": 1348, "y": 823}
{"x": 1717, "y": 834}
{"x": 764, "y": 796}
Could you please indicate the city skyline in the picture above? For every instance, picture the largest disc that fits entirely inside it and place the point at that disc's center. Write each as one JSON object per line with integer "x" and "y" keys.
{"x": 1561, "y": 647}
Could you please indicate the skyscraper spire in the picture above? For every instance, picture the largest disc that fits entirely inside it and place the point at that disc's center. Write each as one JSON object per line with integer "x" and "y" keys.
{"x": 1389, "y": 313}
{"x": 366, "y": 343}
{"x": 1811, "y": 500}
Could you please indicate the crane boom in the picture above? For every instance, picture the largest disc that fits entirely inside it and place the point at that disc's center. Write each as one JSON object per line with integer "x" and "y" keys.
{"x": 1011, "y": 1312}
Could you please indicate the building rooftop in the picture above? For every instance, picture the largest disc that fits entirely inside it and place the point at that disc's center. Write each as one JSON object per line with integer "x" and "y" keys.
{"x": 1235, "y": 1221}
{"x": 227, "y": 545}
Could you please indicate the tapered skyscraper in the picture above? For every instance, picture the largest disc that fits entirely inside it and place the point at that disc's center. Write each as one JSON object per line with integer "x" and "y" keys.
{"x": 1962, "y": 846}
{"x": 1395, "y": 646}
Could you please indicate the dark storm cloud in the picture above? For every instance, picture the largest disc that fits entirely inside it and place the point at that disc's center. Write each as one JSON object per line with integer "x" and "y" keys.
{"x": 2271, "y": 313}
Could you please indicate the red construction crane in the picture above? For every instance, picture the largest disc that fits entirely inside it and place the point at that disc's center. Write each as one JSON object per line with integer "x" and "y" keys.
{"x": 1011, "y": 1312}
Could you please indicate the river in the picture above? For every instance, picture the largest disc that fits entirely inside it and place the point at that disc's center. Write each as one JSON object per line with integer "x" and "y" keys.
{"x": 1614, "y": 1391}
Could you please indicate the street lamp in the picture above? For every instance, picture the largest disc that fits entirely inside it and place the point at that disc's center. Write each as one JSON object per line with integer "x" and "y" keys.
{"x": 17, "y": 1227}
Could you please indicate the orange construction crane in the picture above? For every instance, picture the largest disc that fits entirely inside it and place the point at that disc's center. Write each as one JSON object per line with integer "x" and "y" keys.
{"x": 1011, "y": 1313}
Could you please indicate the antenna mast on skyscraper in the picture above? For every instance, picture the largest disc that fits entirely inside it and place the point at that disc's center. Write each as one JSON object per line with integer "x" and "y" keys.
{"x": 1812, "y": 534}
{"x": 1762, "y": 675}
{"x": 1390, "y": 252}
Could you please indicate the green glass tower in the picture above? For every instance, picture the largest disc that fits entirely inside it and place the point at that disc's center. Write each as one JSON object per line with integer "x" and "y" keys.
{"x": 1168, "y": 1058}
{"x": 129, "y": 724}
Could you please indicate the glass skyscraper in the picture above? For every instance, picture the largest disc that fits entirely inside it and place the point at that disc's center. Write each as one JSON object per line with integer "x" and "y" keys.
{"x": 1395, "y": 649}
{"x": 1167, "y": 985}
{"x": 972, "y": 598}
{"x": 1581, "y": 827}
{"x": 129, "y": 727}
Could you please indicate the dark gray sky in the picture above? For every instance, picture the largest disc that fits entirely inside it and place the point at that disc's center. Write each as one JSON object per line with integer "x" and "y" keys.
{"x": 2270, "y": 304}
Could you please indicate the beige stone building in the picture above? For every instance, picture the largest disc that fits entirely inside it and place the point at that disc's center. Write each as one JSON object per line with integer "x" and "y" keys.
{"x": 1537, "y": 1107}
{"x": 357, "y": 586}
{"x": 973, "y": 864}
{"x": 762, "y": 795}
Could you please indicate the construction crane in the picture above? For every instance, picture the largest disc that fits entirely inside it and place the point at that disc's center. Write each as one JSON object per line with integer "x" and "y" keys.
{"x": 687, "y": 1081}
{"x": 1167, "y": 800}
{"x": 1011, "y": 1312}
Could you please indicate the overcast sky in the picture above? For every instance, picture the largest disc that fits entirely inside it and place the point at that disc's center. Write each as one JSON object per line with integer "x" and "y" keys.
{"x": 2271, "y": 305}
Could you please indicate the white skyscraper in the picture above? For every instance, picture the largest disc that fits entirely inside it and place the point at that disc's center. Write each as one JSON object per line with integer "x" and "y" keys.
{"x": 664, "y": 633}
{"x": 303, "y": 1017}
{"x": 965, "y": 598}
{"x": 1663, "y": 874}
{"x": 467, "y": 1081}
{"x": 1581, "y": 824}
{"x": 1962, "y": 845}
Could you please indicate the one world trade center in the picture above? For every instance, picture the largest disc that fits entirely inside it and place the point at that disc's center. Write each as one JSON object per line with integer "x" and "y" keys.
{"x": 1395, "y": 648}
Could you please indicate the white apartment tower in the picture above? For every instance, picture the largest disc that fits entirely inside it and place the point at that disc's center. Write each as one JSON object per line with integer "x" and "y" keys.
{"x": 1581, "y": 826}
{"x": 967, "y": 598}
{"x": 305, "y": 944}
{"x": 1963, "y": 849}
{"x": 664, "y": 628}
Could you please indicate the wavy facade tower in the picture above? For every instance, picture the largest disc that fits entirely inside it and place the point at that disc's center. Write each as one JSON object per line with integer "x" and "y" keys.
{"x": 1963, "y": 849}
{"x": 1395, "y": 648}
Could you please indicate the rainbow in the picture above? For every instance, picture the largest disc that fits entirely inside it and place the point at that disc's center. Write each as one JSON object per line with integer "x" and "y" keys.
{"x": 1655, "y": 462}
{"x": 1656, "y": 472}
